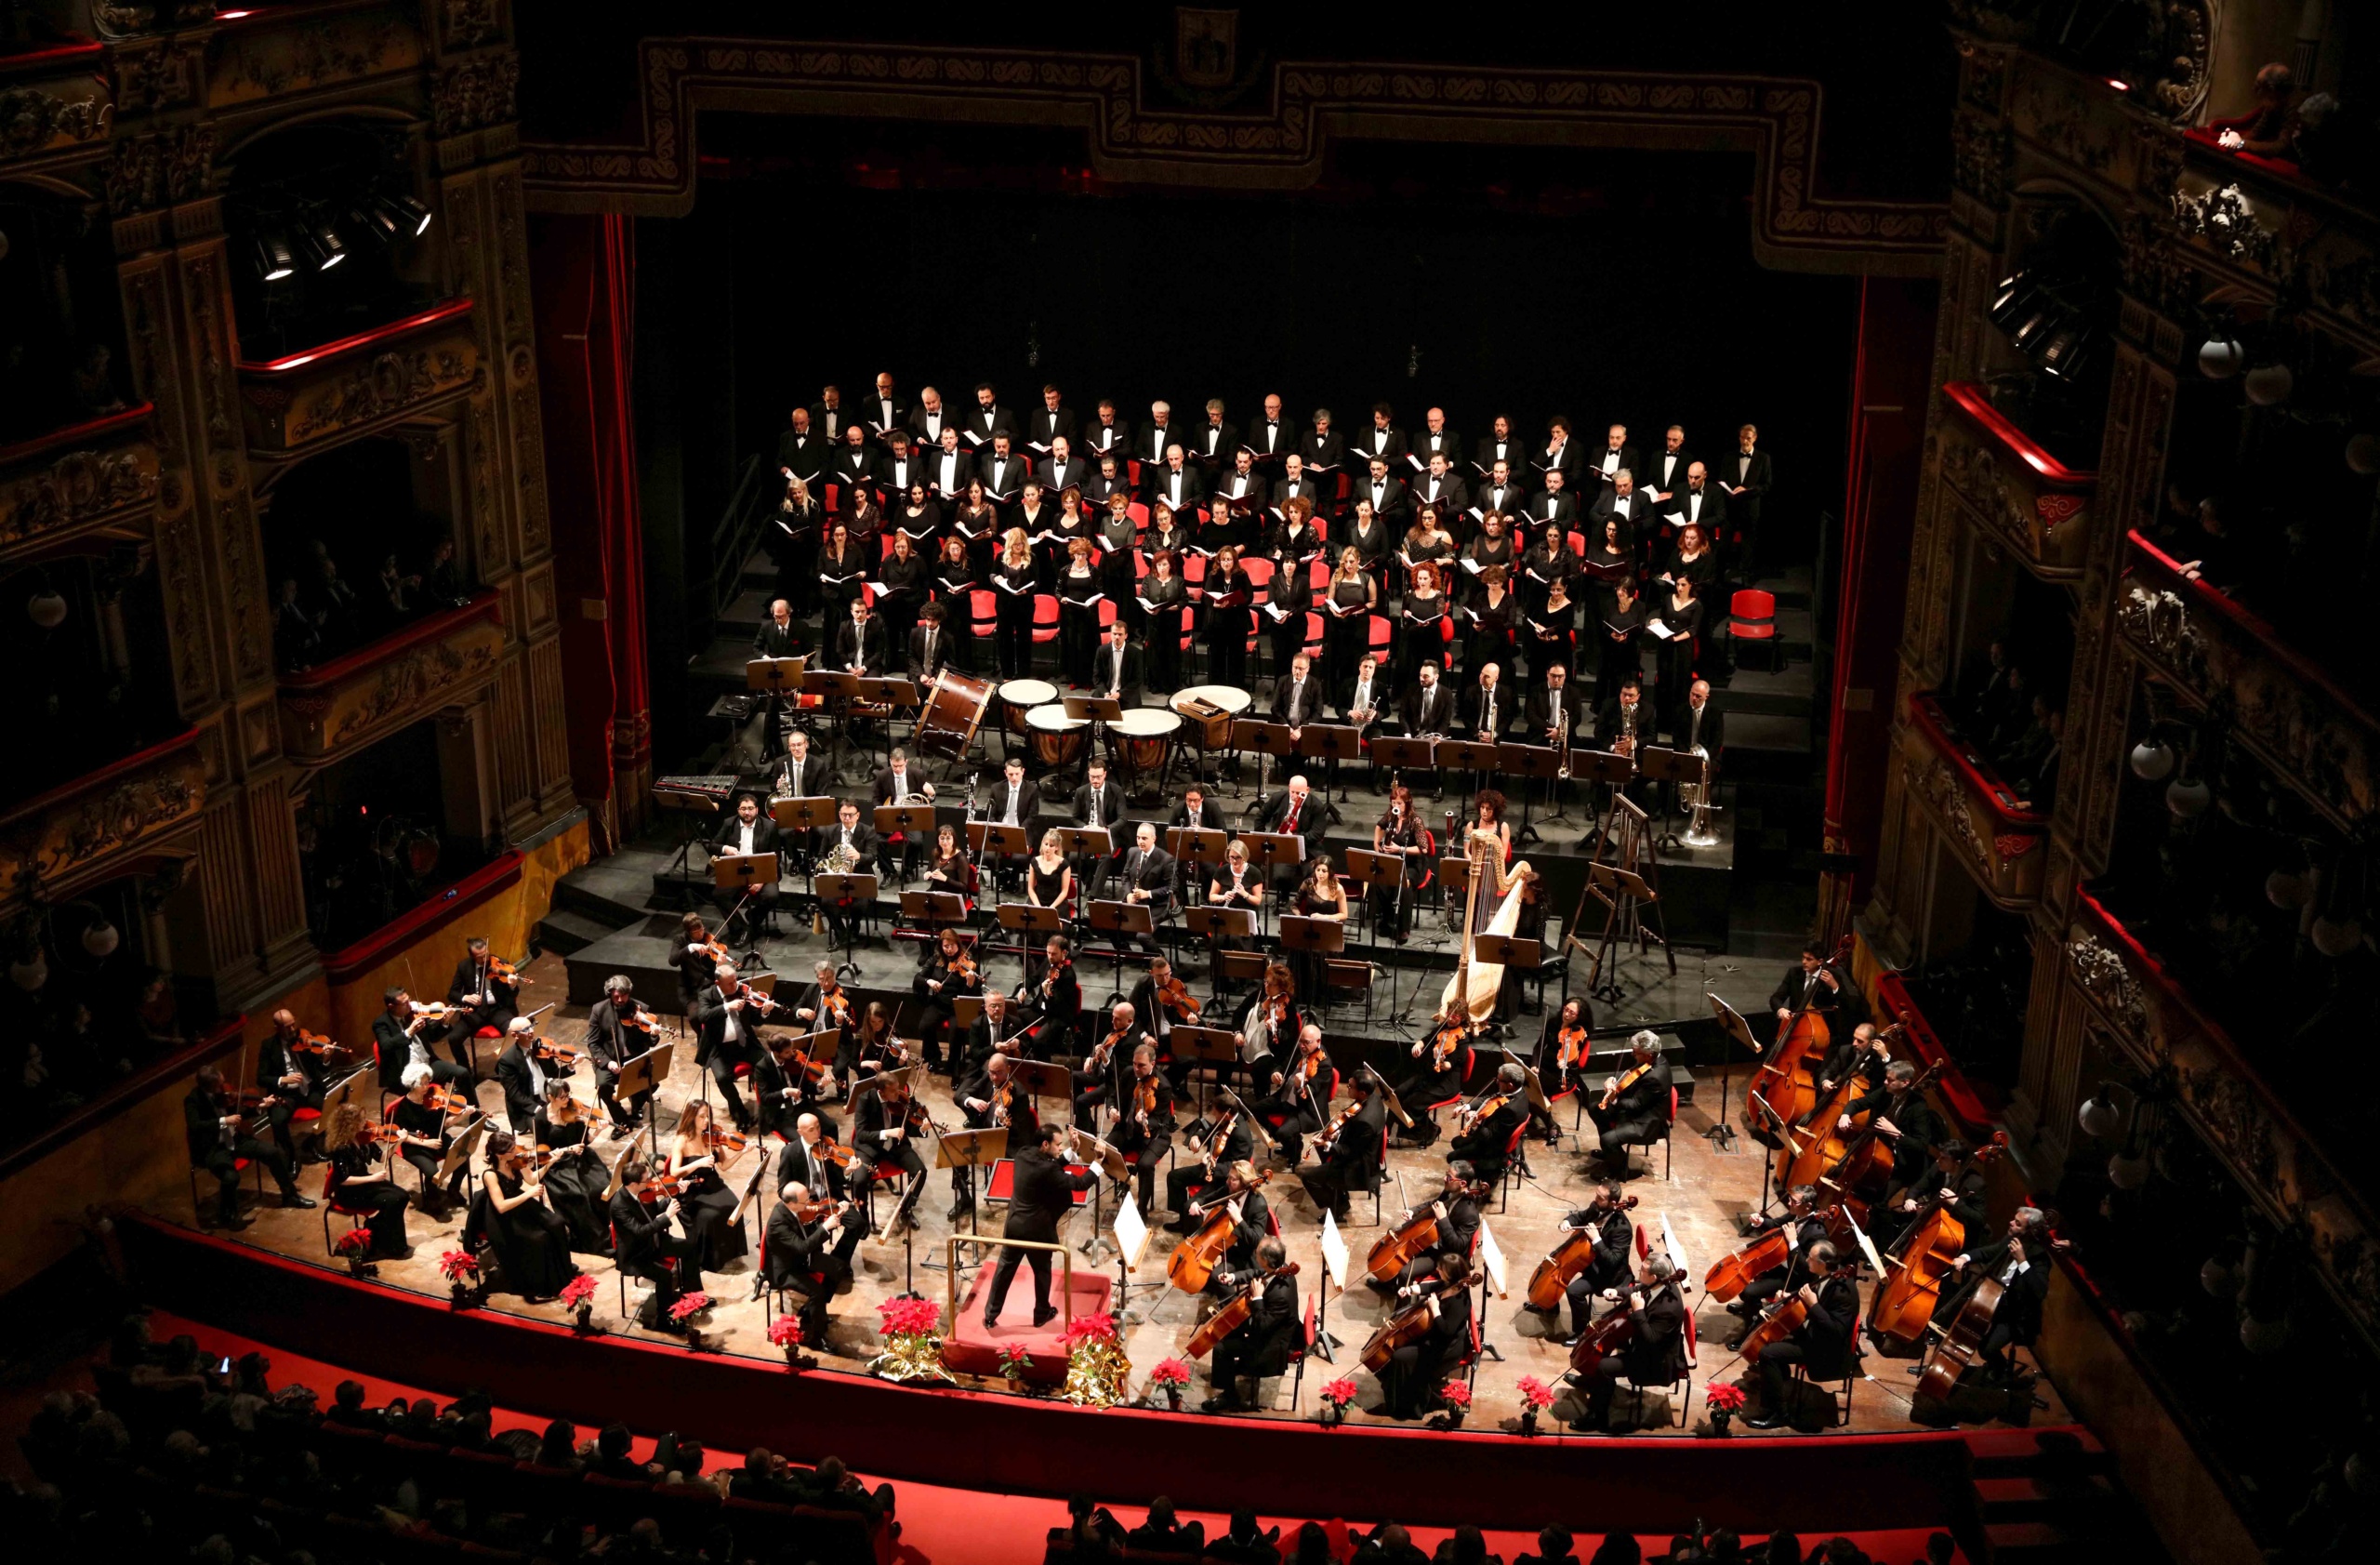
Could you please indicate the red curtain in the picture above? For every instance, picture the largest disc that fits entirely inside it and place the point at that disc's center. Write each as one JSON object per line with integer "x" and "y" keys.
{"x": 1891, "y": 368}
{"x": 583, "y": 273}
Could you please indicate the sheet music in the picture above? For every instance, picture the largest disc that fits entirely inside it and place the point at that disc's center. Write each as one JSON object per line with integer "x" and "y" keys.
{"x": 1657, "y": 629}
{"x": 1677, "y": 1250}
{"x": 1334, "y": 1251}
{"x": 1491, "y": 1255}
{"x": 1132, "y": 1233}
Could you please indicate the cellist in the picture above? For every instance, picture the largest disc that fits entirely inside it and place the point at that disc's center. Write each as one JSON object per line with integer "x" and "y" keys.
{"x": 1615, "y": 1236}
{"x": 1250, "y": 1218}
{"x": 1823, "y": 1341}
{"x": 1901, "y": 1116}
{"x": 1654, "y": 1353}
{"x": 1261, "y": 1345}
{"x": 1958, "y": 1187}
{"x": 1457, "y": 1209}
{"x": 2020, "y": 1264}
{"x": 1226, "y": 1139}
{"x": 1418, "y": 1369}
{"x": 1801, "y": 1220}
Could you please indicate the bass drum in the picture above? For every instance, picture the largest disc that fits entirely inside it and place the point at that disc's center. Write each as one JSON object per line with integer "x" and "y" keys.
{"x": 953, "y": 713}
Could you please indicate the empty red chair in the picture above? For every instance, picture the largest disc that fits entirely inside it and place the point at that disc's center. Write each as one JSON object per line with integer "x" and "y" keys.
{"x": 1045, "y": 616}
{"x": 1751, "y": 617}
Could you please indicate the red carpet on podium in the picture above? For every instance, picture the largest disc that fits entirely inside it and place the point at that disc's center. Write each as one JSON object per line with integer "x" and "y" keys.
{"x": 972, "y": 1348}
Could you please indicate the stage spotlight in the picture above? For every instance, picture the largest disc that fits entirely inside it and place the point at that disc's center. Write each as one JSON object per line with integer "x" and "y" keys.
{"x": 407, "y": 215}
{"x": 320, "y": 243}
{"x": 370, "y": 222}
{"x": 2038, "y": 325}
{"x": 2067, "y": 348}
{"x": 2010, "y": 300}
{"x": 273, "y": 261}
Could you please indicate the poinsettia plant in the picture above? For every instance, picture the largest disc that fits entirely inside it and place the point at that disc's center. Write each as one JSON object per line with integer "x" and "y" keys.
{"x": 1455, "y": 1394}
{"x": 1340, "y": 1392}
{"x": 355, "y": 1241}
{"x": 1535, "y": 1393}
{"x": 578, "y": 1291}
{"x": 689, "y": 1307}
{"x": 1723, "y": 1396}
{"x": 458, "y": 1265}
{"x": 1169, "y": 1372}
{"x": 786, "y": 1332}
{"x": 908, "y": 1316}
{"x": 1092, "y": 1328}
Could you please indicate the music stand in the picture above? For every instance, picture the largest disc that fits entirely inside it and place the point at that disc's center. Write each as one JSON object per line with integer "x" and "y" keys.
{"x": 1722, "y": 1135}
{"x": 983, "y": 836}
{"x": 746, "y": 875}
{"x": 1471, "y": 756}
{"x": 1416, "y": 754}
{"x": 1217, "y": 1046}
{"x": 1189, "y": 845}
{"x": 1537, "y": 761}
{"x": 1269, "y": 849}
{"x": 1510, "y": 951}
{"x": 1097, "y": 710}
{"x": 1333, "y": 742}
{"x": 1591, "y": 766}
{"x": 1350, "y": 975}
{"x": 1623, "y": 892}
{"x": 1042, "y": 1079}
{"x": 838, "y": 691}
{"x": 1088, "y": 841}
{"x": 932, "y": 910}
{"x": 1116, "y": 920}
{"x": 1090, "y": 1151}
{"x": 1314, "y": 937}
{"x": 966, "y": 1010}
{"x": 971, "y": 1149}
{"x": 1024, "y": 917}
{"x": 774, "y": 676}
{"x": 849, "y": 892}
{"x": 896, "y": 691}
{"x": 1267, "y": 739}
{"x": 913, "y": 822}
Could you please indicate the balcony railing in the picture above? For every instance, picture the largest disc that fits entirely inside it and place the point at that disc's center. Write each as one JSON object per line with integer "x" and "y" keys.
{"x": 2308, "y": 731}
{"x": 2035, "y": 505}
{"x": 337, "y": 708}
{"x": 81, "y": 831}
{"x": 97, "y": 473}
{"x": 2002, "y": 841}
{"x": 363, "y": 382}
{"x": 2231, "y": 1101}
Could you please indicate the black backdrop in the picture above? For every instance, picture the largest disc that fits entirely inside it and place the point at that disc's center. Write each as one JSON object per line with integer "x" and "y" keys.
{"x": 1606, "y": 286}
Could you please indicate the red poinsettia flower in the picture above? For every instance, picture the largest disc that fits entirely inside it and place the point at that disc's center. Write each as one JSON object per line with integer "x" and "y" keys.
{"x": 1169, "y": 1372}
{"x": 901, "y": 1318}
{"x": 458, "y": 1264}
{"x": 1535, "y": 1392}
{"x": 689, "y": 1307}
{"x": 1455, "y": 1394}
{"x": 577, "y": 1291}
{"x": 1722, "y": 1397}
{"x": 1092, "y": 1328}
{"x": 355, "y": 1241}
{"x": 1341, "y": 1391}
{"x": 786, "y": 1332}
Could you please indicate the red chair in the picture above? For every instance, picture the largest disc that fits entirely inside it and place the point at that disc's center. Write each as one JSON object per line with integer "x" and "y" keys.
{"x": 1512, "y": 1159}
{"x": 1194, "y": 576}
{"x": 1313, "y": 636}
{"x": 1319, "y": 575}
{"x": 1106, "y": 613}
{"x": 1460, "y": 1077}
{"x": 1579, "y": 543}
{"x": 1377, "y": 638}
{"x": 1140, "y": 564}
{"x": 331, "y": 1203}
{"x": 1045, "y": 618}
{"x": 1260, "y": 572}
{"x": 983, "y": 613}
{"x": 1751, "y": 617}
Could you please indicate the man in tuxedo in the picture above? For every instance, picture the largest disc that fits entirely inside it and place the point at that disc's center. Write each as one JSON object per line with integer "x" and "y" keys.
{"x": 1014, "y": 801}
{"x": 1554, "y": 506}
{"x": 1098, "y": 803}
{"x": 1487, "y": 706}
{"x": 1195, "y": 812}
{"x": 1429, "y": 711}
{"x": 988, "y": 418}
{"x": 1270, "y": 438}
{"x": 484, "y": 999}
{"x": 1239, "y": 481}
{"x": 929, "y": 645}
{"x": 1746, "y": 477}
{"x": 1383, "y": 440}
{"x": 1108, "y": 435}
{"x": 948, "y": 470}
{"x": 885, "y": 411}
{"x": 1297, "y": 484}
{"x": 1553, "y": 710}
{"x": 1616, "y": 455}
{"x": 1699, "y": 504}
{"x": 1297, "y": 695}
{"x": 647, "y": 1247}
{"x": 1294, "y": 812}
{"x": 1667, "y": 475}
{"x": 929, "y": 418}
{"x": 1625, "y": 716}
{"x": 802, "y": 451}
{"x": 1702, "y": 723}
{"x": 896, "y": 783}
{"x": 1560, "y": 453}
{"x": 1177, "y": 483}
{"x": 1111, "y": 478}
{"x": 1051, "y": 422}
{"x": 1366, "y": 699}
{"x": 1386, "y": 491}
{"x": 1150, "y": 444}
{"x": 1115, "y": 667}
{"x": 1499, "y": 445}
{"x": 1043, "y": 1193}
{"x": 1498, "y": 493}
{"x": 1006, "y": 474}
{"x": 1218, "y": 439}
{"x": 749, "y": 832}
{"x": 801, "y": 1256}
{"x": 1811, "y": 985}
{"x": 1434, "y": 439}
{"x": 899, "y": 466}
{"x": 798, "y": 778}
{"x": 289, "y": 1076}
{"x": 1146, "y": 878}
{"x": 827, "y": 414}
{"x": 724, "y": 1039}
{"x": 1063, "y": 470}
{"x": 778, "y": 636}
{"x": 859, "y": 642}
{"x": 1322, "y": 446}
{"x": 1630, "y": 505}
{"x": 611, "y": 1042}
{"x": 849, "y": 831}
{"x": 523, "y": 1077}
{"x": 1439, "y": 486}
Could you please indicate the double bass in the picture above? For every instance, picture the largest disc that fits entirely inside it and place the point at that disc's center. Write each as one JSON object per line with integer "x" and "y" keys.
{"x": 1841, "y": 1162}
{"x": 1785, "y": 1087}
{"x": 1919, "y": 1263}
{"x": 1550, "y": 1284}
{"x": 1233, "y": 1314}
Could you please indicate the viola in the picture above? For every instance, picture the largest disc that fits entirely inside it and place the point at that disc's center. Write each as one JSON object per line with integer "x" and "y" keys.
{"x": 1621, "y": 1083}
{"x": 962, "y": 967}
{"x": 833, "y": 1152}
{"x": 445, "y": 1101}
{"x": 1144, "y": 1096}
{"x": 1551, "y": 1282}
{"x": 838, "y": 1004}
{"x": 1572, "y": 1048}
{"x": 1195, "y": 1259}
{"x": 1233, "y": 1316}
{"x": 818, "y": 1211}
{"x": 642, "y": 1021}
{"x": 434, "y": 1011}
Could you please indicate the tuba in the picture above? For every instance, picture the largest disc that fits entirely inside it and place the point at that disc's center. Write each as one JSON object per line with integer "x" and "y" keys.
{"x": 1696, "y": 797}
{"x": 1626, "y": 744}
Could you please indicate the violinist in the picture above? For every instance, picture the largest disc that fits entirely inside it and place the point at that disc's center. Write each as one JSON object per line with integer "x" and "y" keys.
{"x": 1562, "y": 1060}
{"x": 1350, "y": 1149}
{"x": 1861, "y": 1055}
{"x": 483, "y": 995}
{"x": 801, "y": 1248}
{"x": 2020, "y": 1262}
{"x": 1634, "y": 1107}
{"x": 1812, "y": 985}
{"x": 726, "y": 1017}
{"x": 781, "y": 1089}
{"x": 1807, "y": 1229}
{"x": 1493, "y": 1122}
{"x": 811, "y": 1159}
{"x": 1957, "y": 1186}
{"x": 613, "y": 1039}
{"x": 1100, "y": 1080}
{"x": 1441, "y": 1058}
{"x": 1226, "y": 1139}
{"x": 1654, "y": 1353}
{"x": 1456, "y": 1209}
{"x": 574, "y": 1175}
{"x": 1823, "y": 1342}
{"x": 359, "y": 1182}
{"x": 397, "y": 1035}
{"x": 532, "y": 1247}
{"x": 1303, "y": 1089}
{"x": 647, "y": 1248}
{"x": 1058, "y": 996}
{"x": 881, "y": 1121}
{"x": 997, "y": 1031}
{"x": 1144, "y": 1120}
{"x": 1261, "y": 1344}
{"x": 1901, "y": 1115}
{"x": 695, "y": 956}
{"x": 420, "y": 1124}
{"x": 288, "y": 1078}
{"x": 823, "y": 1007}
{"x": 219, "y": 1141}
{"x": 522, "y": 1075}
{"x": 1165, "y": 1000}
{"x": 1606, "y": 1217}
{"x": 949, "y": 972}
{"x": 1418, "y": 1369}
{"x": 1269, "y": 1020}
{"x": 710, "y": 1205}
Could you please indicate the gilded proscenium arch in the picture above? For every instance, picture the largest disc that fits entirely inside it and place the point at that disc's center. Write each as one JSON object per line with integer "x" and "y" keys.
{"x": 1776, "y": 119}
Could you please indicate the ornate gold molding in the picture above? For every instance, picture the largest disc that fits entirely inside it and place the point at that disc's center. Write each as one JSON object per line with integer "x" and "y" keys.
{"x": 80, "y": 490}
{"x": 74, "y": 832}
{"x": 1278, "y": 147}
{"x": 340, "y": 707}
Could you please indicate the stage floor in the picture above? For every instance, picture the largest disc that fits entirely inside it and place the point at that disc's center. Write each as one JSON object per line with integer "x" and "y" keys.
{"x": 1693, "y": 1193}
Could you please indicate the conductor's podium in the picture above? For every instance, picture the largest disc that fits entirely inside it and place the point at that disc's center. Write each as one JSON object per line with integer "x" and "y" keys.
{"x": 971, "y": 1347}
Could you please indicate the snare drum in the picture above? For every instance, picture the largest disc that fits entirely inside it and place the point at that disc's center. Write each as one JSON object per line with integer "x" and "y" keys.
{"x": 953, "y": 713}
{"x": 1142, "y": 736}
{"x": 1058, "y": 740}
{"x": 1018, "y": 696}
{"x": 1211, "y": 730}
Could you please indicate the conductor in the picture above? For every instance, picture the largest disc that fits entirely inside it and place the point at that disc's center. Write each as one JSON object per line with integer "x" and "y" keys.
{"x": 1043, "y": 1192}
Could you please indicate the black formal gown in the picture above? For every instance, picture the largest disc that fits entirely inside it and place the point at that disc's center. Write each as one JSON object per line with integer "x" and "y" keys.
{"x": 382, "y": 1201}
{"x": 574, "y": 1183}
{"x": 709, "y": 1208}
{"x": 532, "y": 1245}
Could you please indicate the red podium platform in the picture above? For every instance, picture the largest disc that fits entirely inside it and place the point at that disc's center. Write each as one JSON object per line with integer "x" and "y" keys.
{"x": 970, "y": 1348}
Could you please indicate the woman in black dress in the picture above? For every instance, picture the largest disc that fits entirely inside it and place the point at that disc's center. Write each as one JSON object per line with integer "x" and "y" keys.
{"x": 1693, "y": 556}
{"x": 920, "y": 517}
{"x": 953, "y": 586}
{"x": 1289, "y": 599}
{"x": 901, "y": 591}
{"x": 1490, "y": 618}
{"x": 1167, "y": 534}
{"x": 1421, "y": 627}
{"x": 359, "y": 1182}
{"x": 1118, "y": 536}
{"x": 1049, "y": 878}
{"x": 1300, "y": 540}
{"x": 1078, "y": 600}
{"x": 1551, "y": 560}
{"x": 1372, "y": 539}
{"x": 532, "y": 1246}
{"x": 1163, "y": 597}
{"x": 1613, "y": 554}
{"x": 1013, "y": 582}
{"x": 1425, "y": 541}
{"x": 1681, "y": 617}
{"x": 1617, "y": 625}
{"x": 1229, "y": 619}
{"x": 1491, "y": 549}
{"x": 707, "y": 1204}
{"x": 1322, "y": 896}
{"x": 977, "y": 523}
{"x": 1398, "y": 832}
{"x": 841, "y": 570}
{"x": 1553, "y": 632}
{"x": 1346, "y": 619}
{"x": 865, "y": 520}
{"x": 575, "y": 1176}
{"x": 949, "y": 869}
{"x": 793, "y": 545}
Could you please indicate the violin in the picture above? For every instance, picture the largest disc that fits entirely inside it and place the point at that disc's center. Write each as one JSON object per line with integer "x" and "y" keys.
{"x": 642, "y": 1020}
{"x": 1551, "y": 1282}
{"x": 661, "y": 1187}
{"x": 434, "y": 1011}
{"x": 1329, "y": 1135}
{"x": 785, "y": 1054}
{"x": 1443, "y": 1045}
{"x": 1621, "y": 1083}
{"x": 1175, "y": 997}
{"x": 563, "y": 1054}
{"x": 1233, "y": 1316}
{"x": 729, "y": 1141}
{"x": 964, "y": 968}
{"x": 1144, "y": 1096}
{"x": 833, "y": 1152}
{"x": 818, "y": 1211}
{"x": 311, "y": 1044}
{"x": 502, "y": 971}
{"x": 445, "y": 1101}
{"x": 1472, "y": 1117}
{"x": 836, "y": 1003}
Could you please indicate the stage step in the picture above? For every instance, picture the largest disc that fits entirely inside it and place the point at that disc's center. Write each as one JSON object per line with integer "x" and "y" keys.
{"x": 564, "y": 933}
{"x": 743, "y": 612}
{"x": 613, "y": 891}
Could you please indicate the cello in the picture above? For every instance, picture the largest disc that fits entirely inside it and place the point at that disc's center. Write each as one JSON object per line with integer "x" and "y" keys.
{"x": 1551, "y": 1282}
{"x": 1785, "y": 1086}
{"x": 1823, "y": 1153}
{"x": 1920, "y": 1262}
{"x": 1418, "y": 1235}
{"x": 1195, "y": 1259}
{"x": 1233, "y": 1314}
{"x": 1403, "y": 1329}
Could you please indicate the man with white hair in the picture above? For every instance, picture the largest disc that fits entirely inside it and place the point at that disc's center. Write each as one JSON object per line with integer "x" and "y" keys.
{"x": 1634, "y": 1107}
{"x": 523, "y": 1078}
